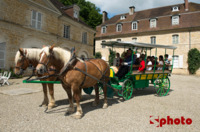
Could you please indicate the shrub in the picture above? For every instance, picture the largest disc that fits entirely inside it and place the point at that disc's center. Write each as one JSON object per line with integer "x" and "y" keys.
{"x": 98, "y": 55}
{"x": 111, "y": 57}
{"x": 193, "y": 60}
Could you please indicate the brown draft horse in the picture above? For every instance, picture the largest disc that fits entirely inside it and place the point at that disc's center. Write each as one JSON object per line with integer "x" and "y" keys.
{"x": 73, "y": 80}
{"x": 26, "y": 57}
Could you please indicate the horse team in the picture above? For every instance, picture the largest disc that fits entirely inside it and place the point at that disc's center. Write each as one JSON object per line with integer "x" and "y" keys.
{"x": 72, "y": 80}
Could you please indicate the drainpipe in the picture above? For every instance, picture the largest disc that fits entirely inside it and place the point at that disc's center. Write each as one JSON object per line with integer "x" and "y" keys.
{"x": 189, "y": 40}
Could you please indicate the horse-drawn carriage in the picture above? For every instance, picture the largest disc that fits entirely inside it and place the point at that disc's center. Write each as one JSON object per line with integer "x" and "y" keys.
{"x": 140, "y": 80}
{"x": 75, "y": 74}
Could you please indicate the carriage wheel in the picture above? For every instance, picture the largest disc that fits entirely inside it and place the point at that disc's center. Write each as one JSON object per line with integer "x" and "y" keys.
{"x": 127, "y": 89}
{"x": 162, "y": 86}
{"x": 100, "y": 85}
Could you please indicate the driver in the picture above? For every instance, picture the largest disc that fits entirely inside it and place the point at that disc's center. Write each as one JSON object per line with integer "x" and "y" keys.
{"x": 123, "y": 70}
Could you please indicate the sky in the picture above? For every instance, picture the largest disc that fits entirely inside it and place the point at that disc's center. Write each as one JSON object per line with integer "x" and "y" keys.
{"x": 115, "y": 7}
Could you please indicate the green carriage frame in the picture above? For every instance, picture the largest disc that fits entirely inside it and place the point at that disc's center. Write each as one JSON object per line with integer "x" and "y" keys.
{"x": 134, "y": 80}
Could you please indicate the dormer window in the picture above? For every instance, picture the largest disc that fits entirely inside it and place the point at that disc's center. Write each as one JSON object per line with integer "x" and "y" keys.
{"x": 175, "y": 8}
{"x": 123, "y": 17}
{"x": 175, "y": 20}
{"x": 152, "y": 23}
{"x": 76, "y": 14}
{"x": 134, "y": 26}
{"x": 103, "y": 29}
{"x": 119, "y": 27}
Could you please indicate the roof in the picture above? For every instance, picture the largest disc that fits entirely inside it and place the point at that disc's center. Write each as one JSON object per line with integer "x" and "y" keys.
{"x": 123, "y": 44}
{"x": 188, "y": 20}
{"x": 153, "y": 13}
{"x": 62, "y": 9}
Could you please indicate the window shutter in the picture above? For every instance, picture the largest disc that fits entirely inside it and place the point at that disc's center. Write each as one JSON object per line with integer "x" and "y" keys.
{"x": 180, "y": 61}
{"x": 2, "y": 54}
{"x": 39, "y": 20}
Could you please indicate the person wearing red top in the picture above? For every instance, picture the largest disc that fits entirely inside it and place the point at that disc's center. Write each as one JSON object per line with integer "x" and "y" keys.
{"x": 142, "y": 63}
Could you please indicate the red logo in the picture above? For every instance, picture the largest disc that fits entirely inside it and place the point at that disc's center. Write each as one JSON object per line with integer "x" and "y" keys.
{"x": 170, "y": 121}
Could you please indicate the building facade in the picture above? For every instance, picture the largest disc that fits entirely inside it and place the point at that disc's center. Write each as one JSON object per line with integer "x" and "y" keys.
{"x": 177, "y": 25}
{"x": 34, "y": 23}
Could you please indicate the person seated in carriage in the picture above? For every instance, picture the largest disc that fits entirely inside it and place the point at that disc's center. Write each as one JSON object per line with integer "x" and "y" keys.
{"x": 142, "y": 63}
{"x": 123, "y": 70}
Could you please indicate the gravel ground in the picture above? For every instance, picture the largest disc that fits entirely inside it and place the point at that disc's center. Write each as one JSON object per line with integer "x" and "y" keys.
{"x": 21, "y": 112}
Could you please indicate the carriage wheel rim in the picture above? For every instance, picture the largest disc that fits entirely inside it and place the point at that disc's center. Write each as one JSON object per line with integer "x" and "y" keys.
{"x": 162, "y": 86}
{"x": 127, "y": 89}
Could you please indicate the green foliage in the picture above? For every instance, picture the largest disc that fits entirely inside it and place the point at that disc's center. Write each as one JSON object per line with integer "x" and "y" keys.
{"x": 98, "y": 55}
{"x": 89, "y": 13}
{"x": 111, "y": 57}
{"x": 193, "y": 60}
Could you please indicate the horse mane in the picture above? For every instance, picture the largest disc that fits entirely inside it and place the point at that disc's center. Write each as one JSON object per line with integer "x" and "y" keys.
{"x": 59, "y": 53}
{"x": 32, "y": 53}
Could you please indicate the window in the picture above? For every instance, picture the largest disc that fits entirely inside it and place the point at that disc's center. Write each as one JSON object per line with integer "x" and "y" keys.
{"x": 103, "y": 46}
{"x": 103, "y": 29}
{"x": 152, "y": 23}
{"x": 175, "y": 39}
{"x": 153, "y": 40}
{"x": 119, "y": 27}
{"x": 2, "y": 55}
{"x": 175, "y": 8}
{"x": 76, "y": 14}
{"x": 134, "y": 26}
{"x": 84, "y": 37}
{"x": 134, "y": 39}
{"x": 36, "y": 20}
{"x": 175, "y": 20}
{"x": 66, "y": 32}
{"x": 118, "y": 40}
{"x": 122, "y": 17}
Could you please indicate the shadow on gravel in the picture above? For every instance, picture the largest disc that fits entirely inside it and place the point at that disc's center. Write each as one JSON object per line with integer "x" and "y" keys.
{"x": 86, "y": 104}
{"x": 147, "y": 91}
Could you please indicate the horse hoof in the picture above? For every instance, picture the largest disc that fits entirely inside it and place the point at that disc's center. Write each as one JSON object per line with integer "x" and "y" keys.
{"x": 105, "y": 105}
{"x": 77, "y": 116}
{"x": 51, "y": 106}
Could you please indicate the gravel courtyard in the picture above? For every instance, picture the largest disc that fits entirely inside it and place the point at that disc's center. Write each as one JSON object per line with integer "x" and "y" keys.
{"x": 19, "y": 113}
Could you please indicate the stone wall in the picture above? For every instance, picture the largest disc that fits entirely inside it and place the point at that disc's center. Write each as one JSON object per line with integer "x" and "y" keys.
{"x": 16, "y": 30}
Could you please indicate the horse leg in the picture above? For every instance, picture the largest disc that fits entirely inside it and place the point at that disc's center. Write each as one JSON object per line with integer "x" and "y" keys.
{"x": 46, "y": 100}
{"x": 77, "y": 97}
{"x": 96, "y": 101}
{"x": 71, "y": 109}
{"x": 51, "y": 93}
{"x": 105, "y": 104}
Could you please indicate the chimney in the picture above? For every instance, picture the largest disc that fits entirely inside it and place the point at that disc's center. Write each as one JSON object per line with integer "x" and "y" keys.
{"x": 131, "y": 10}
{"x": 105, "y": 16}
{"x": 186, "y": 5}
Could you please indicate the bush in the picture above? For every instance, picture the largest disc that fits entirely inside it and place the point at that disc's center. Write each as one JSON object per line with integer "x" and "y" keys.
{"x": 111, "y": 57}
{"x": 98, "y": 55}
{"x": 193, "y": 60}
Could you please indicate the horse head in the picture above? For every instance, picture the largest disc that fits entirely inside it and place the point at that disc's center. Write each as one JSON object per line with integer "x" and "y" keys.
{"x": 21, "y": 62}
{"x": 46, "y": 59}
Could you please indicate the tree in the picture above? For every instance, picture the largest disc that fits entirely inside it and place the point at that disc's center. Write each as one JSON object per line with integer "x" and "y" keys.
{"x": 89, "y": 13}
{"x": 193, "y": 60}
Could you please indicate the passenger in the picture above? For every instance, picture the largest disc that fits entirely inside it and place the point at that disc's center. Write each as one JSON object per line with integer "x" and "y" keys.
{"x": 123, "y": 70}
{"x": 161, "y": 62}
{"x": 142, "y": 63}
{"x": 117, "y": 61}
{"x": 167, "y": 62}
{"x": 149, "y": 63}
{"x": 137, "y": 62}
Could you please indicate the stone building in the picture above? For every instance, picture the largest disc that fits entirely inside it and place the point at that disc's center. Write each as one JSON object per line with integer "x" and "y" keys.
{"x": 34, "y": 23}
{"x": 177, "y": 25}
